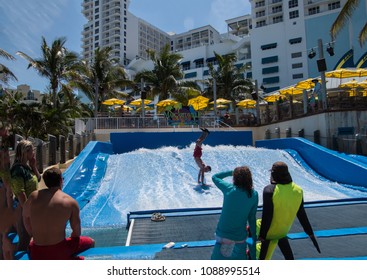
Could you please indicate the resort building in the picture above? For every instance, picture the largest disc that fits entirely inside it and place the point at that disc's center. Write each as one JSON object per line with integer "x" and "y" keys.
{"x": 280, "y": 42}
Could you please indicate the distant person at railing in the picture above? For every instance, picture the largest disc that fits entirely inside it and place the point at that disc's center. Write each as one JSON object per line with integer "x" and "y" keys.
{"x": 24, "y": 180}
{"x": 46, "y": 213}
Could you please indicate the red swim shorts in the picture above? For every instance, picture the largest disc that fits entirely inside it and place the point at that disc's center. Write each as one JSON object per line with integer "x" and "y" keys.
{"x": 65, "y": 250}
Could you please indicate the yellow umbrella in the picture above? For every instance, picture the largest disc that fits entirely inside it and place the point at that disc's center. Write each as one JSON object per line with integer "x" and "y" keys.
{"x": 291, "y": 91}
{"x": 246, "y": 103}
{"x": 273, "y": 97}
{"x": 220, "y": 107}
{"x": 221, "y": 101}
{"x": 353, "y": 85}
{"x": 307, "y": 84}
{"x": 166, "y": 102}
{"x": 362, "y": 72}
{"x": 137, "y": 102}
{"x": 342, "y": 73}
{"x": 146, "y": 108}
{"x": 113, "y": 101}
{"x": 198, "y": 103}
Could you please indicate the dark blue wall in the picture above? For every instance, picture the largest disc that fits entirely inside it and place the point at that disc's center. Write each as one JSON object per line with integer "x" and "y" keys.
{"x": 129, "y": 141}
{"x": 330, "y": 164}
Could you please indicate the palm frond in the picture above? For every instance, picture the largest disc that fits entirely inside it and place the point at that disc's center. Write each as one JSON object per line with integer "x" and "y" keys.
{"x": 363, "y": 35}
{"x": 343, "y": 16}
{"x": 6, "y": 55}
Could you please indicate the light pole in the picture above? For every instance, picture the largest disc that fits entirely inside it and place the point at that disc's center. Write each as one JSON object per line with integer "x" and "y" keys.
{"x": 322, "y": 68}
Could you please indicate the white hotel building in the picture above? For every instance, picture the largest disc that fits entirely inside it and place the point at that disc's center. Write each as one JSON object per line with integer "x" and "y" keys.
{"x": 274, "y": 40}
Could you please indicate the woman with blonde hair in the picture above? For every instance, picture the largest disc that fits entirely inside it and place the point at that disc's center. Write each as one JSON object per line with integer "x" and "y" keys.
{"x": 24, "y": 180}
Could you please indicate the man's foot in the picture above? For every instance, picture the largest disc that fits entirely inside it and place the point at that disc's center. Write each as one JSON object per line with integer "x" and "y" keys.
{"x": 204, "y": 130}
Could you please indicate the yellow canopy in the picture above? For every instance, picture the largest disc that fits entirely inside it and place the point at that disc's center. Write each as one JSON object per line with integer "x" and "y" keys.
{"x": 137, "y": 102}
{"x": 113, "y": 101}
{"x": 166, "y": 102}
{"x": 345, "y": 73}
{"x": 273, "y": 97}
{"x": 247, "y": 103}
{"x": 307, "y": 84}
{"x": 353, "y": 84}
{"x": 291, "y": 91}
{"x": 198, "y": 103}
{"x": 221, "y": 101}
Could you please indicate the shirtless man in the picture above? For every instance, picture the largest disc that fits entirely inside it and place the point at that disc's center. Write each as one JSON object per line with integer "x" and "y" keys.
{"x": 45, "y": 215}
{"x": 197, "y": 156}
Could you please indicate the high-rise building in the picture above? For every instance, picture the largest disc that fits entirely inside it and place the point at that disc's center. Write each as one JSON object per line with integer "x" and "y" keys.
{"x": 110, "y": 24}
{"x": 274, "y": 41}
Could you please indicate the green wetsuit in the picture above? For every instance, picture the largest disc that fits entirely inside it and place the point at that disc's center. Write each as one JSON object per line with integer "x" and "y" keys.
{"x": 239, "y": 208}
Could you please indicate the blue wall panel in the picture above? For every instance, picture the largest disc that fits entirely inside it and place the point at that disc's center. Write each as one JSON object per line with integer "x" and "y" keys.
{"x": 330, "y": 164}
{"x": 125, "y": 142}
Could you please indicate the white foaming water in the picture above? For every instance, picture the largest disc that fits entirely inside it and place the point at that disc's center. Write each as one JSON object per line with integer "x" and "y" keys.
{"x": 166, "y": 178}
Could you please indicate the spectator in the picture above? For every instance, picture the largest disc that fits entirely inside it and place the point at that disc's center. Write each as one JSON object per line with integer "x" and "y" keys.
{"x": 46, "y": 213}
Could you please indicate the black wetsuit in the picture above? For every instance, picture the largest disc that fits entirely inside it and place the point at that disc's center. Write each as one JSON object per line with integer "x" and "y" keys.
{"x": 281, "y": 204}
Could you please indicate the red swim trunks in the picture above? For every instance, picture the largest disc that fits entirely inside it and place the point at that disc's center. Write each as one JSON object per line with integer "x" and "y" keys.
{"x": 198, "y": 152}
{"x": 65, "y": 250}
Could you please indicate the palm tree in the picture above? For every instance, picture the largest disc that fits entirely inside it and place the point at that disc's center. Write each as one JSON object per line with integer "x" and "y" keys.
{"x": 345, "y": 14}
{"x": 5, "y": 74}
{"x": 55, "y": 64}
{"x": 101, "y": 79}
{"x": 165, "y": 75}
{"x": 229, "y": 78}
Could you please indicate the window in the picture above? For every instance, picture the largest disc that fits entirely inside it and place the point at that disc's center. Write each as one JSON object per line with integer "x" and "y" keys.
{"x": 277, "y": 19}
{"x": 334, "y": 5}
{"x": 292, "y": 4}
{"x": 270, "y": 59}
{"x": 277, "y": 9}
{"x": 297, "y": 54}
{"x": 270, "y": 70}
{"x": 314, "y": 10}
{"x": 260, "y": 14}
{"x": 294, "y": 14}
{"x": 297, "y": 76}
{"x": 297, "y": 65}
{"x": 295, "y": 40}
{"x": 269, "y": 46}
{"x": 271, "y": 80}
{"x": 260, "y": 23}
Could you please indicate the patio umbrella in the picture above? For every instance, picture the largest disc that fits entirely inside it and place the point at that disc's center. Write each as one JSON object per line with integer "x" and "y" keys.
{"x": 307, "y": 84}
{"x": 166, "y": 102}
{"x": 113, "y": 101}
{"x": 146, "y": 108}
{"x": 291, "y": 91}
{"x": 353, "y": 85}
{"x": 137, "y": 102}
{"x": 221, "y": 101}
{"x": 220, "y": 107}
{"x": 342, "y": 73}
{"x": 247, "y": 103}
{"x": 273, "y": 97}
{"x": 198, "y": 103}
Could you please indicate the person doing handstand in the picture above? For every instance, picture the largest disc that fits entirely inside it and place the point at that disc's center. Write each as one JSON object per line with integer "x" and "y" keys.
{"x": 198, "y": 153}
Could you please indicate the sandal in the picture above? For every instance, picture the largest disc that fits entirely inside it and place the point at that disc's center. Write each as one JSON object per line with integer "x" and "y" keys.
{"x": 158, "y": 217}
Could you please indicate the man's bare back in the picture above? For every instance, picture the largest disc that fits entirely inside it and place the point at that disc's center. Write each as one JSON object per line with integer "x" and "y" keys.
{"x": 46, "y": 214}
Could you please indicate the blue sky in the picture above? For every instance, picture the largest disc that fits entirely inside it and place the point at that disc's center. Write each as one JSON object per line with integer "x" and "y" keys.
{"x": 24, "y": 22}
